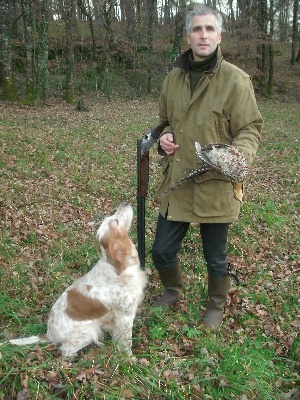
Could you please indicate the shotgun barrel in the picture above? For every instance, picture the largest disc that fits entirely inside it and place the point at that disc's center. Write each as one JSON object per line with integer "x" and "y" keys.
{"x": 143, "y": 147}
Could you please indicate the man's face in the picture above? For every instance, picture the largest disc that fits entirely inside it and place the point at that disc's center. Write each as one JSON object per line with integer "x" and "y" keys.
{"x": 204, "y": 37}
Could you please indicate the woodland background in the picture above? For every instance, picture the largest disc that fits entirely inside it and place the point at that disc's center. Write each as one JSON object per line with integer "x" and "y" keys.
{"x": 71, "y": 48}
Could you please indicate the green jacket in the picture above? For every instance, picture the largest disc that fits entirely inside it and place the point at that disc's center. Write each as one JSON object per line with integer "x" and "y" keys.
{"x": 222, "y": 109}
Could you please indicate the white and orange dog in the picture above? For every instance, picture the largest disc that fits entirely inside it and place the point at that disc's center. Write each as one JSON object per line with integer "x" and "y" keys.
{"x": 105, "y": 299}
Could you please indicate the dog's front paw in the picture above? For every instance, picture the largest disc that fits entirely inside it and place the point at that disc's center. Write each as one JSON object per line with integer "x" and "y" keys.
{"x": 100, "y": 344}
{"x": 132, "y": 359}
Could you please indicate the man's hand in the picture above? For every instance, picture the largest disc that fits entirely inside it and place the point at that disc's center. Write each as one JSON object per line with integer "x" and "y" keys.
{"x": 167, "y": 143}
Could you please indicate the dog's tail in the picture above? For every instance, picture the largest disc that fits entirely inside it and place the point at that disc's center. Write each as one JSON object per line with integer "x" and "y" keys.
{"x": 29, "y": 340}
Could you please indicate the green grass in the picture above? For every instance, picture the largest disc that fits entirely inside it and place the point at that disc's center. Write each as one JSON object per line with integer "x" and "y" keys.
{"x": 61, "y": 173}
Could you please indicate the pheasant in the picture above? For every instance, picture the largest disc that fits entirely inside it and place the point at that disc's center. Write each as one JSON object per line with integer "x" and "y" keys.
{"x": 225, "y": 158}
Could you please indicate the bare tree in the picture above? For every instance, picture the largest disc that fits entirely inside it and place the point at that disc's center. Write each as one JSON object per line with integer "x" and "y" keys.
{"x": 295, "y": 36}
{"x": 269, "y": 86}
{"x": 244, "y": 16}
{"x": 108, "y": 13}
{"x": 98, "y": 13}
{"x": 136, "y": 35}
{"x": 85, "y": 8}
{"x": 167, "y": 12}
{"x": 6, "y": 73}
{"x": 28, "y": 13}
{"x": 42, "y": 52}
{"x": 129, "y": 17}
{"x": 283, "y": 20}
{"x": 179, "y": 25}
{"x": 231, "y": 19}
{"x": 150, "y": 43}
{"x": 262, "y": 47}
{"x": 70, "y": 74}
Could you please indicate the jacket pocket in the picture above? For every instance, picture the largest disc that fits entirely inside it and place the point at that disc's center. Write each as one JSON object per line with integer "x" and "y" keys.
{"x": 163, "y": 185}
{"x": 213, "y": 198}
{"x": 214, "y": 129}
{"x": 222, "y": 127}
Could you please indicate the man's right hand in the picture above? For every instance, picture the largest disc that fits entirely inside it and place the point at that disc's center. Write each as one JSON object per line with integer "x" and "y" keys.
{"x": 167, "y": 144}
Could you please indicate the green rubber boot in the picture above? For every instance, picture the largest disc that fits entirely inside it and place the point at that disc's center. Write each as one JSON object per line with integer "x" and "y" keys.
{"x": 217, "y": 292}
{"x": 172, "y": 282}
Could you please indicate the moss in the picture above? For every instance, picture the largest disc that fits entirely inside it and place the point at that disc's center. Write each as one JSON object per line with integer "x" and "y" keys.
{"x": 70, "y": 95}
{"x": 30, "y": 94}
{"x": 8, "y": 89}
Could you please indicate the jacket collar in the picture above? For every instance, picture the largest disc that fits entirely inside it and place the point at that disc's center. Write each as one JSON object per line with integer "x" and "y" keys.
{"x": 182, "y": 61}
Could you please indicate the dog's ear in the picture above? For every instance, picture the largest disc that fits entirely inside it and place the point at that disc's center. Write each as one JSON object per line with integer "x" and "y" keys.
{"x": 105, "y": 237}
{"x": 117, "y": 246}
{"x": 117, "y": 253}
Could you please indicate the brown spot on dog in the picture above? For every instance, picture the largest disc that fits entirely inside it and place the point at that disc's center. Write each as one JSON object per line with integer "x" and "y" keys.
{"x": 80, "y": 307}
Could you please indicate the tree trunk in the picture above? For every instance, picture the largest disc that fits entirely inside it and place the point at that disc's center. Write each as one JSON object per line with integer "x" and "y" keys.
{"x": 150, "y": 43}
{"x": 244, "y": 7}
{"x": 108, "y": 9}
{"x": 42, "y": 53}
{"x": 136, "y": 36}
{"x": 29, "y": 31}
{"x": 283, "y": 20}
{"x": 167, "y": 13}
{"x": 108, "y": 12}
{"x": 179, "y": 25}
{"x": 271, "y": 52}
{"x": 88, "y": 14}
{"x": 70, "y": 75}
{"x": 97, "y": 6}
{"x": 231, "y": 19}
{"x": 6, "y": 74}
{"x": 262, "y": 50}
{"x": 295, "y": 31}
{"x": 129, "y": 16}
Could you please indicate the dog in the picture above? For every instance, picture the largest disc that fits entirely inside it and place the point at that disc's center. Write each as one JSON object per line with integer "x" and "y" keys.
{"x": 105, "y": 299}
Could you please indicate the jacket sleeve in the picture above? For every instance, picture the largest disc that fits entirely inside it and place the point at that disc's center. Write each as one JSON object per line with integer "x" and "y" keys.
{"x": 246, "y": 121}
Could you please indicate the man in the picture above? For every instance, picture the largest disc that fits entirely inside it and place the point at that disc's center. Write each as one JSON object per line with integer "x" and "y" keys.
{"x": 206, "y": 100}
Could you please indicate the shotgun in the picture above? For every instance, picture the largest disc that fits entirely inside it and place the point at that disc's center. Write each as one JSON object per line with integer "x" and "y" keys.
{"x": 143, "y": 147}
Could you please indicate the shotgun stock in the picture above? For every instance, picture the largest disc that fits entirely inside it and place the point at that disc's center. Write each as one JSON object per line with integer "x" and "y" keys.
{"x": 143, "y": 147}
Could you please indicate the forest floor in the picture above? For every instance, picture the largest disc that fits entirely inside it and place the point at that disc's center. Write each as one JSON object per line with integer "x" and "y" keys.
{"x": 62, "y": 171}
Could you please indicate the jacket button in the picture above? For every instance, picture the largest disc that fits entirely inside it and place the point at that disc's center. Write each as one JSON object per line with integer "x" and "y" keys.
{"x": 177, "y": 159}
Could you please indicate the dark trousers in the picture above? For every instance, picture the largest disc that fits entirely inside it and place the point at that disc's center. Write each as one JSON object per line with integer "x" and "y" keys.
{"x": 170, "y": 234}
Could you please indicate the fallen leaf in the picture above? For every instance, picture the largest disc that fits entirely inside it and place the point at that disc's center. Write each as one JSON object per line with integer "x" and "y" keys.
{"x": 53, "y": 377}
{"x": 24, "y": 381}
{"x": 127, "y": 394}
{"x": 170, "y": 374}
{"x": 223, "y": 382}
